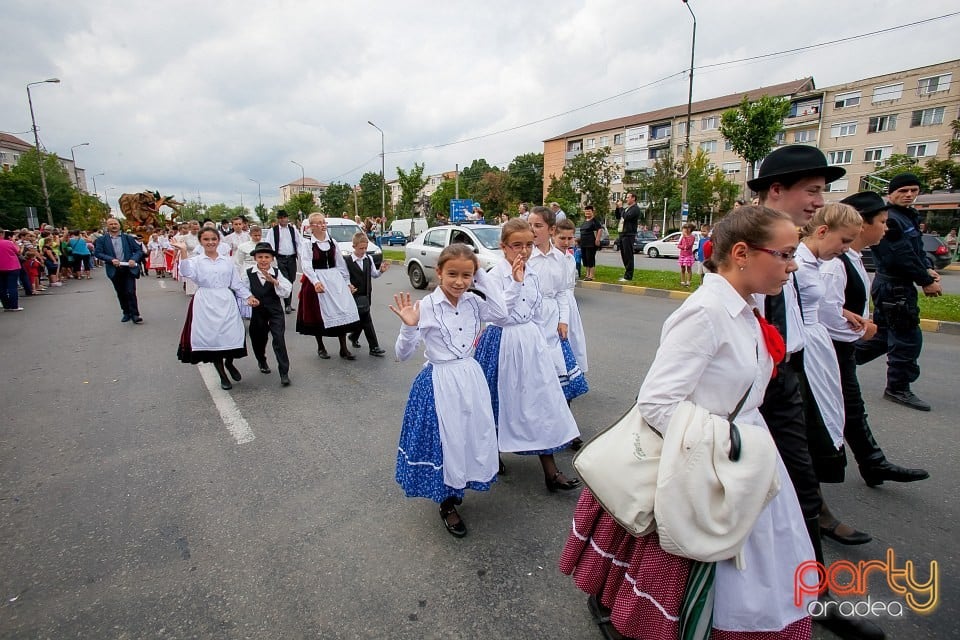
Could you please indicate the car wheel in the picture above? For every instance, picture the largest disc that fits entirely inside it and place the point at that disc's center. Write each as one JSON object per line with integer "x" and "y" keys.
{"x": 417, "y": 278}
{"x": 653, "y": 253}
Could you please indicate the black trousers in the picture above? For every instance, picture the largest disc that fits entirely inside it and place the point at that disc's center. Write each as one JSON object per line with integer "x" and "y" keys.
{"x": 270, "y": 321}
{"x": 829, "y": 463}
{"x": 626, "y": 254}
{"x": 125, "y": 284}
{"x": 856, "y": 429}
{"x": 366, "y": 325}
{"x": 782, "y": 410}
{"x": 288, "y": 267}
{"x": 898, "y": 333}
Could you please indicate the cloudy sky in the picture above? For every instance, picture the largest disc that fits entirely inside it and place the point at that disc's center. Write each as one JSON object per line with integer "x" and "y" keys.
{"x": 202, "y": 96}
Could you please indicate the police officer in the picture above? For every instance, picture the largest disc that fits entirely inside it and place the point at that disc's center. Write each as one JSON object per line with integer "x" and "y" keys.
{"x": 901, "y": 263}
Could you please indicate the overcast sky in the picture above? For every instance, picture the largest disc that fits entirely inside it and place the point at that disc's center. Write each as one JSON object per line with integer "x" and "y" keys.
{"x": 201, "y": 96}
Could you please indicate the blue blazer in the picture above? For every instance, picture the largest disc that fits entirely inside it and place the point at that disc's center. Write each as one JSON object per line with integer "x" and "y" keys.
{"x": 103, "y": 250}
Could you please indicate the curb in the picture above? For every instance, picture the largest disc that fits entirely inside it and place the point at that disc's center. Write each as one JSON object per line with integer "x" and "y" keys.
{"x": 930, "y": 326}
{"x": 952, "y": 267}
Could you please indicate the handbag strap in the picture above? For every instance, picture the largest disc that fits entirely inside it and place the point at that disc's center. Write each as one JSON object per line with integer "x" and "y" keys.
{"x": 735, "y": 443}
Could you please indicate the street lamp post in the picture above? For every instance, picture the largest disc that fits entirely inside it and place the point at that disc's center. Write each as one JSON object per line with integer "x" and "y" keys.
{"x": 36, "y": 139}
{"x": 302, "y": 181}
{"x": 693, "y": 44}
{"x": 259, "y": 199}
{"x": 383, "y": 183}
{"x": 94, "y": 178}
{"x": 76, "y": 176}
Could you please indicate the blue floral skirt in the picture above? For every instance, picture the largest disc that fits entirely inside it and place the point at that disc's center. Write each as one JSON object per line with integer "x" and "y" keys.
{"x": 573, "y": 382}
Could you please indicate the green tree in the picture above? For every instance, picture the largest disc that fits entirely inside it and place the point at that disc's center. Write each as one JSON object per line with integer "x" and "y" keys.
{"x": 472, "y": 174}
{"x": 953, "y": 147}
{"x": 87, "y": 211}
{"x": 660, "y": 182}
{"x": 562, "y": 192}
{"x": 896, "y": 164}
{"x": 372, "y": 196}
{"x": 262, "y": 212}
{"x": 493, "y": 192}
{"x": 191, "y": 210}
{"x": 218, "y": 211}
{"x": 942, "y": 174}
{"x": 300, "y": 205}
{"x": 724, "y": 193}
{"x": 440, "y": 200}
{"x": 590, "y": 175}
{"x": 752, "y": 128}
{"x": 21, "y": 188}
{"x": 410, "y": 185}
{"x": 335, "y": 200}
{"x": 526, "y": 178}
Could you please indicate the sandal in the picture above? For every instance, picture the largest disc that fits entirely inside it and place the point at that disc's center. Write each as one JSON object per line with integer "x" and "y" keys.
{"x": 554, "y": 483}
{"x": 457, "y": 529}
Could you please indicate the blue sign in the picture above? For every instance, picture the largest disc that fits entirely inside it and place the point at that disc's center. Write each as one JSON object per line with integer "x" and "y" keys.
{"x": 460, "y": 208}
{"x": 684, "y": 211}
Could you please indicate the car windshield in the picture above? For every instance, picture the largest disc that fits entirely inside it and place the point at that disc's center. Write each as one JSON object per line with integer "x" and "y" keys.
{"x": 489, "y": 237}
{"x": 343, "y": 232}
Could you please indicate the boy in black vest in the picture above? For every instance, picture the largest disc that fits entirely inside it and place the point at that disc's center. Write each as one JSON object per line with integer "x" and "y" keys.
{"x": 362, "y": 271}
{"x": 269, "y": 287}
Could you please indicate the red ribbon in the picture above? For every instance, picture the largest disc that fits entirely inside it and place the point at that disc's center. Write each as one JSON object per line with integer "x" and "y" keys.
{"x": 776, "y": 347}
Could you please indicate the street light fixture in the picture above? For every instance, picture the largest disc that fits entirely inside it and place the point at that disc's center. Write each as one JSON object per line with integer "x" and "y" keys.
{"x": 76, "y": 176}
{"x": 94, "y": 178}
{"x": 383, "y": 180}
{"x": 302, "y": 180}
{"x": 259, "y": 199}
{"x": 36, "y": 140}
{"x": 693, "y": 44}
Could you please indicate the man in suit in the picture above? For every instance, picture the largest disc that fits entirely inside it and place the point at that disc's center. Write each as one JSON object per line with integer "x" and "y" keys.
{"x": 121, "y": 255}
{"x": 628, "y": 234}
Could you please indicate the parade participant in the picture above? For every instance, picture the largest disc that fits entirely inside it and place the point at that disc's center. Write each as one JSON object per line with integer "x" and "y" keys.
{"x": 243, "y": 256}
{"x": 591, "y": 232}
{"x": 448, "y": 442}
{"x": 845, "y": 312}
{"x": 326, "y": 305}
{"x": 563, "y": 239}
{"x": 286, "y": 241}
{"x": 636, "y": 586}
{"x": 554, "y": 315}
{"x": 268, "y": 288}
{"x": 121, "y": 255}
{"x": 213, "y": 330}
{"x": 157, "y": 246}
{"x": 528, "y": 403}
{"x": 239, "y": 235}
{"x": 686, "y": 245}
{"x": 901, "y": 263}
{"x": 362, "y": 271}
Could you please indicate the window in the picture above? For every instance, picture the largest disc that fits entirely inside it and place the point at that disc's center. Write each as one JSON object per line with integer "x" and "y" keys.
{"x": 843, "y": 129}
{"x": 615, "y": 159}
{"x": 618, "y": 138}
{"x": 933, "y": 84}
{"x": 844, "y": 156}
{"x": 574, "y": 145}
{"x": 804, "y": 108}
{"x": 660, "y": 132}
{"x": 926, "y": 117}
{"x": 882, "y": 123}
{"x": 838, "y": 186}
{"x": 604, "y": 141}
{"x": 809, "y": 135}
{"x": 727, "y": 145}
{"x": 888, "y": 92}
{"x": 435, "y": 238}
{"x": 3, "y": 157}
{"x": 877, "y": 154}
{"x": 731, "y": 167}
{"x": 844, "y": 100}
{"x": 780, "y": 138}
{"x": 636, "y": 137}
{"x": 709, "y": 146}
{"x": 591, "y": 143}
{"x": 710, "y": 122}
{"x": 922, "y": 149}
{"x": 656, "y": 153}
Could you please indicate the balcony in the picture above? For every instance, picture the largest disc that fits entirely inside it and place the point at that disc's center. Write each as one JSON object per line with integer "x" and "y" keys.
{"x": 570, "y": 155}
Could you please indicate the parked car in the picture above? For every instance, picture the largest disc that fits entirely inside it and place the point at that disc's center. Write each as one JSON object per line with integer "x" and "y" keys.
{"x": 604, "y": 236}
{"x": 394, "y": 238}
{"x": 666, "y": 247}
{"x": 642, "y": 239}
{"x": 342, "y": 231}
{"x": 421, "y": 254}
{"x": 935, "y": 248}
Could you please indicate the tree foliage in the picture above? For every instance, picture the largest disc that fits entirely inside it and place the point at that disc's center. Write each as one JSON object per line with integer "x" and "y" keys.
{"x": 410, "y": 185}
{"x": 471, "y": 175}
{"x": 590, "y": 175}
{"x": 336, "y": 199}
{"x": 562, "y": 192}
{"x": 526, "y": 178}
{"x": 372, "y": 196}
{"x": 936, "y": 174}
{"x": 440, "y": 199}
{"x": 660, "y": 182}
{"x": 301, "y": 205}
{"x": 493, "y": 192}
{"x": 87, "y": 211}
{"x": 752, "y": 127}
{"x": 20, "y": 187}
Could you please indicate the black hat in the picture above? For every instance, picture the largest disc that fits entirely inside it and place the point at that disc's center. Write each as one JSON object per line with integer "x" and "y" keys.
{"x": 263, "y": 247}
{"x": 866, "y": 202}
{"x": 282, "y": 214}
{"x": 794, "y": 161}
{"x": 903, "y": 180}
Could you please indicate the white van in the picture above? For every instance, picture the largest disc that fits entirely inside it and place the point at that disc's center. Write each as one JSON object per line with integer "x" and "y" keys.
{"x": 342, "y": 231}
{"x": 409, "y": 227}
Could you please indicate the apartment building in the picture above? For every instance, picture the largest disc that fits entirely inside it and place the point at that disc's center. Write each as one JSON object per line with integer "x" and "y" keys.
{"x": 433, "y": 183}
{"x": 12, "y": 147}
{"x": 305, "y": 184}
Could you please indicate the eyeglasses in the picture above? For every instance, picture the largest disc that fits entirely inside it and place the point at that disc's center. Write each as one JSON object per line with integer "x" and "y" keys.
{"x": 786, "y": 257}
{"x": 520, "y": 246}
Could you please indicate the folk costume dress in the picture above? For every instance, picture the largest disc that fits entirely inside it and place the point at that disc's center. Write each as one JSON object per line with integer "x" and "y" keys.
{"x": 528, "y": 404}
{"x": 551, "y": 267}
{"x": 333, "y": 312}
{"x": 213, "y": 328}
{"x": 157, "y": 258}
{"x": 575, "y": 333}
{"x": 823, "y": 395}
{"x": 448, "y": 442}
{"x": 644, "y": 585}
{"x": 193, "y": 243}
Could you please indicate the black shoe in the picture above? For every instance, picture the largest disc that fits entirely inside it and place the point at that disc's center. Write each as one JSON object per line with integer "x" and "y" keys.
{"x": 576, "y": 444}
{"x": 284, "y": 380}
{"x": 457, "y": 530}
{"x": 346, "y": 355}
{"x": 378, "y": 352}
{"x": 601, "y": 617}
{"x": 875, "y": 474}
{"x": 855, "y": 538}
{"x": 355, "y": 344}
{"x": 137, "y": 320}
{"x": 124, "y": 318}
{"x": 233, "y": 371}
{"x": 907, "y": 398}
{"x": 288, "y": 309}
{"x": 553, "y": 484}
{"x": 323, "y": 354}
{"x": 225, "y": 385}
{"x": 501, "y": 468}
{"x": 264, "y": 367}
{"x": 844, "y": 627}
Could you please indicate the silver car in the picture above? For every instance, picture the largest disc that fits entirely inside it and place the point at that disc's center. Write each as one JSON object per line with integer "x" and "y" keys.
{"x": 421, "y": 254}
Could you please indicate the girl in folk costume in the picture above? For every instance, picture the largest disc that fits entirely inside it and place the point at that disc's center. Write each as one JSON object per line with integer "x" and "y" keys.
{"x": 449, "y": 441}
{"x": 636, "y": 586}
{"x": 553, "y": 317}
{"x": 213, "y": 331}
{"x": 563, "y": 239}
{"x": 326, "y": 305}
{"x": 528, "y": 402}
{"x": 156, "y": 258}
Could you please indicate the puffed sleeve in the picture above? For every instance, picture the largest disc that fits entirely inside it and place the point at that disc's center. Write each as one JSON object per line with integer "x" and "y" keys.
{"x": 494, "y": 308}
{"x": 238, "y": 284}
{"x": 305, "y": 256}
{"x": 407, "y": 341}
{"x": 834, "y": 277}
{"x": 188, "y": 268}
{"x": 283, "y": 287}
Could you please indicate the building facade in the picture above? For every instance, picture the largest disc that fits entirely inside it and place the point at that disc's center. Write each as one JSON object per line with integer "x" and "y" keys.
{"x": 309, "y": 185}
{"x": 12, "y": 147}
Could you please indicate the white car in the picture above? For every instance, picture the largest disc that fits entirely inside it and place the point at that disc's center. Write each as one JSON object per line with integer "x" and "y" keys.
{"x": 342, "y": 231}
{"x": 666, "y": 247}
{"x": 421, "y": 254}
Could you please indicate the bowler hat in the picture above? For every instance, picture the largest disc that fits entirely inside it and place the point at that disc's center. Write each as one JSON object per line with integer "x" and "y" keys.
{"x": 794, "y": 161}
{"x": 263, "y": 247}
{"x": 866, "y": 202}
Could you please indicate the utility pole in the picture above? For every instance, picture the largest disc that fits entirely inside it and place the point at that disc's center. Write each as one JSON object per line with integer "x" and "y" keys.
{"x": 36, "y": 139}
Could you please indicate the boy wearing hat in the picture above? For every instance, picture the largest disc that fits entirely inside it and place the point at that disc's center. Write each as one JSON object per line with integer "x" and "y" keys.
{"x": 269, "y": 287}
{"x": 901, "y": 263}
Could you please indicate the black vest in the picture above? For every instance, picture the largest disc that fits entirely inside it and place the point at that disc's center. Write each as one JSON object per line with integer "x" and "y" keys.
{"x": 775, "y": 308}
{"x": 276, "y": 238}
{"x": 854, "y": 294}
{"x": 360, "y": 277}
{"x": 265, "y": 292}
{"x": 325, "y": 259}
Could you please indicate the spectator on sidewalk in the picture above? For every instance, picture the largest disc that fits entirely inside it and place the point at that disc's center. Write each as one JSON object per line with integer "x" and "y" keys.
{"x": 9, "y": 272}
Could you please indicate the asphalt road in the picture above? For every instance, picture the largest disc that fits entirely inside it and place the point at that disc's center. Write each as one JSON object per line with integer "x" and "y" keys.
{"x": 129, "y": 510}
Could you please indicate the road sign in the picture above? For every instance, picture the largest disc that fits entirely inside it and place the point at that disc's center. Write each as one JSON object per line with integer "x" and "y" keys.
{"x": 32, "y": 221}
{"x": 684, "y": 212}
{"x": 460, "y": 208}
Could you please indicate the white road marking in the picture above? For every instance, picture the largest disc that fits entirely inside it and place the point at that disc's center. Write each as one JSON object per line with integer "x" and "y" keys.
{"x": 162, "y": 283}
{"x": 229, "y": 411}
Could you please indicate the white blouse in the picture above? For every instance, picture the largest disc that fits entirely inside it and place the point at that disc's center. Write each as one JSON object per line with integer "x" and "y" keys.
{"x": 552, "y": 269}
{"x": 214, "y": 274}
{"x": 834, "y": 276}
{"x": 523, "y": 298}
{"x": 306, "y": 258}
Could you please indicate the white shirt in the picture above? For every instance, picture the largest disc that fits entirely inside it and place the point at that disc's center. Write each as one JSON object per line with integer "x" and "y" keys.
{"x": 560, "y": 215}
{"x": 283, "y": 286}
{"x": 223, "y": 249}
{"x": 794, "y": 317}
{"x": 358, "y": 260}
{"x": 235, "y": 239}
{"x": 551, "y": 267}
{"x": 306, "y": 258}
{"x": 834, "y": 276}
{"x": 286, "y": 247}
